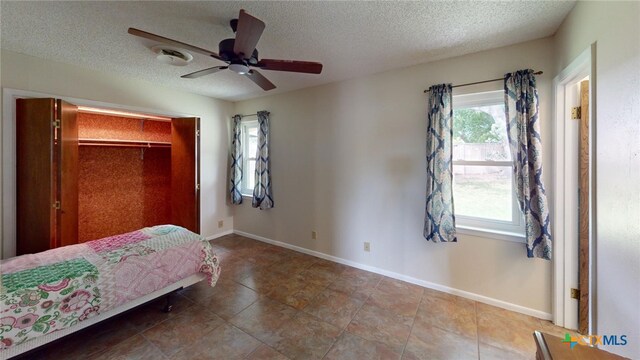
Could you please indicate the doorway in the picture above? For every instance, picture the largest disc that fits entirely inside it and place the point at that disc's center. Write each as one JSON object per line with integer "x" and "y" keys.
{"x": 574, "y": 195}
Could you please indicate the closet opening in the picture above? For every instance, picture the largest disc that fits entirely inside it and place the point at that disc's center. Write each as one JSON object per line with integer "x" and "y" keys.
{"x": 124, "y": 172}
{"x": 104, "y": 172}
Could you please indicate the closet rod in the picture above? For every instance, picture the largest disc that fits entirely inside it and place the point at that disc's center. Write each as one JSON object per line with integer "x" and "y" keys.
{"x": 484, "y": 81}
{"x": 126, "y": 145}
{"x": 118, "y": 142}
{"x": 123, "y": 141}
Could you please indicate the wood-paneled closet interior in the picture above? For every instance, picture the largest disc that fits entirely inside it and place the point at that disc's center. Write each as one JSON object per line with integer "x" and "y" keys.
{"x": 87, "y": 173}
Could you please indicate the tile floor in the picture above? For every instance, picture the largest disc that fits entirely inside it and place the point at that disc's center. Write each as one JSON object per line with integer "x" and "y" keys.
{"x": 274, "y": 303}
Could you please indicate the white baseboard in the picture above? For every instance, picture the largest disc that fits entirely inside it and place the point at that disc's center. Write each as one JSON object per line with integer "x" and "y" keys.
{"x": 465, "y": 294}
{"x": 220, "y": 234}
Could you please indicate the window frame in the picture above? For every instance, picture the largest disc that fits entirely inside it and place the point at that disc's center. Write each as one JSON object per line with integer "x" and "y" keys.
{"x": 513, "y": 230}
{"x": 245, "y": 125}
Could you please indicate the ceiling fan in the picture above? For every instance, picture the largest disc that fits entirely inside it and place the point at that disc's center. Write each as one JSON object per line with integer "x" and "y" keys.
{"x": 240, "y": 53}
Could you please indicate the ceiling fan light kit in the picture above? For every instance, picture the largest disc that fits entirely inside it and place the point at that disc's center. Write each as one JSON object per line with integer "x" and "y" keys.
{"x": 239, "y": 68}
{"x": 248, "y": 30}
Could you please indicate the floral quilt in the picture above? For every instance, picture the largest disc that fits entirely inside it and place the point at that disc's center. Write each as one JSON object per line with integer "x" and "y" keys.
{"x": 55, "y": 289}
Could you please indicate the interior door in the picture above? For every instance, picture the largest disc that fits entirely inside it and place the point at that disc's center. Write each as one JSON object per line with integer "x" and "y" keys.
{"x": 185, "y": 173}
{"x": 35, "y": 180}
{"x": 67, "y": 174}
{"x": 584, "y": 207}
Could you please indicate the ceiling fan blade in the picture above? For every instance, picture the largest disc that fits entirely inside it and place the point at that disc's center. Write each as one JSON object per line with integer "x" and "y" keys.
{"x": 162, "y": 39}
{"x": 260, "y": 80}
{"x": 204, "y": 72}
{"x": 308, "y": 67}
{"x": 247, "y": 35}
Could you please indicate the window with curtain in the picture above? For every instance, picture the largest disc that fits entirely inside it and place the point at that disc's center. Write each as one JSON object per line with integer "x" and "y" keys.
{"x": 249, "y": 136}
{"x": 483, "y": 187}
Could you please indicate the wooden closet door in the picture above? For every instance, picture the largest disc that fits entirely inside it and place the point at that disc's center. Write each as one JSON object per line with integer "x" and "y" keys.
{"x": 35, "y": 181}
{"x": 185, "y": 173}
{"x": 67, "y": 174}
{"x": 46, "y": 175}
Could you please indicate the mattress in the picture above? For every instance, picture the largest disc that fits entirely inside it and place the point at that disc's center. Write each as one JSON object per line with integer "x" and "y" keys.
{"x": 60, "y": 288}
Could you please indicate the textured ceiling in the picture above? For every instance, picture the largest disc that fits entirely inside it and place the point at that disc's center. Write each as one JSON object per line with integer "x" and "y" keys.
{"x": 350, "y": 38}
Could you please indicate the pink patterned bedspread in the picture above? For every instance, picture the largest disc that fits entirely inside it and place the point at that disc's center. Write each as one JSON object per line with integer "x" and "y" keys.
{"x": 56, "y": 289}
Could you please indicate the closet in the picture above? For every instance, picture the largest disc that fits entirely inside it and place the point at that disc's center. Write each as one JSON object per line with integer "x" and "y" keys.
{"x": 86, "y": 173}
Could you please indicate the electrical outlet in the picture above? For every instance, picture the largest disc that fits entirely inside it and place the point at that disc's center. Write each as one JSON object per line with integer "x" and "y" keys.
{"x": 367, "y": 247}
{"x": 314, "y": 235}
{"x": 220, "y": 223}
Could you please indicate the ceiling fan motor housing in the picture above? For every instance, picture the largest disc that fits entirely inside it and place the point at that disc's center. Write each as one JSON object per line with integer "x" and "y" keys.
{"x": 225, "y": 50}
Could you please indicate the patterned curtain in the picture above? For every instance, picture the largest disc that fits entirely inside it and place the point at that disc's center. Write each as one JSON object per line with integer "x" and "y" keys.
{"x": 439, "y": 220}
{"x": 235, "y": 173}
{"x": 262, "y": 196}
{"x": 523, "y": 129}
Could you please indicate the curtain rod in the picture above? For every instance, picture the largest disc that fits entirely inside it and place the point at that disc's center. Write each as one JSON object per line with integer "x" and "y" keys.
{"x": 485, "y": 81}
{"x": 248, "y": 115}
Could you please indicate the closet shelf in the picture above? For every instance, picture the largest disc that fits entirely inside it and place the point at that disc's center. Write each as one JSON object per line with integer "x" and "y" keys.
{"x": 127, "y": 143}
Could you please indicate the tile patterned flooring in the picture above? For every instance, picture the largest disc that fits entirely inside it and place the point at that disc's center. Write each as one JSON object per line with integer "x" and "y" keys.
{"x": 274, "y": 303}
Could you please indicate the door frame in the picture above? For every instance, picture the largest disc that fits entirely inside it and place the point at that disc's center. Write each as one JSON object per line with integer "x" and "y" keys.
{"x": 565, "y": 260}
{"x": 9, "y": 97}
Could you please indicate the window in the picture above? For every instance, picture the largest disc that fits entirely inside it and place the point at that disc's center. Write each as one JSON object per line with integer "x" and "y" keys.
{"x": 249, "y": 138}
{"x": 483, "y": 188}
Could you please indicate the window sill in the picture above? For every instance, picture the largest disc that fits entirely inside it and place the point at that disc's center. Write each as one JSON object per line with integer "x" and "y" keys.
{"x": 490, "y": 234}
{"x": 247, "y": 196}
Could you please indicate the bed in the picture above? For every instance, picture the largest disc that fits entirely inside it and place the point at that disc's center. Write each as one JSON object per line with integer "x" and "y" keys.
{"x": 48, "y": 295}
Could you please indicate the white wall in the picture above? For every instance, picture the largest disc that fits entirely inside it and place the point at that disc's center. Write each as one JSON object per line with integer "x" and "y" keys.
{"x": 348, "y": 161}
{"x": 615, "y": 27}
{"x": 34, "y": 74}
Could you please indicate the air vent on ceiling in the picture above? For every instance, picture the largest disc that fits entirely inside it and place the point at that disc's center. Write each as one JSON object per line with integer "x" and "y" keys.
{"x": 172, "y": 56}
